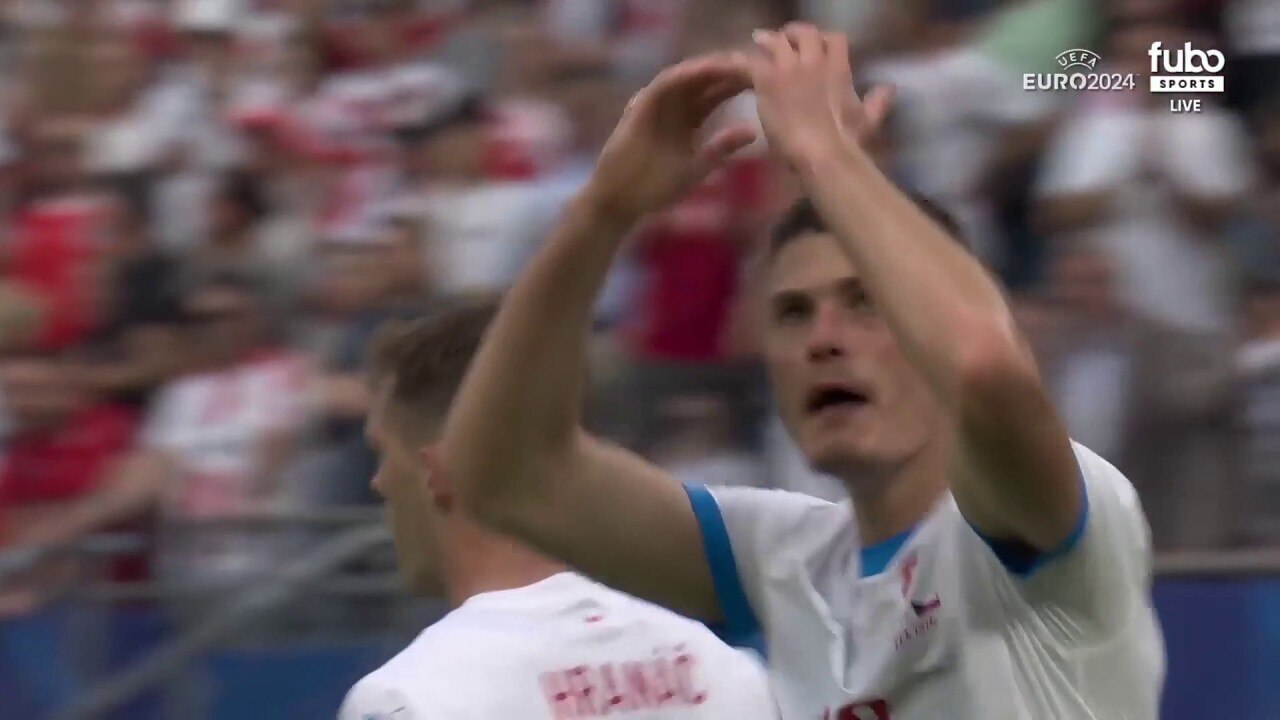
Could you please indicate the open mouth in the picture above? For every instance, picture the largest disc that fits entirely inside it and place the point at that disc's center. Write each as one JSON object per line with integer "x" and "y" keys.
{"x": 827, "y": 397}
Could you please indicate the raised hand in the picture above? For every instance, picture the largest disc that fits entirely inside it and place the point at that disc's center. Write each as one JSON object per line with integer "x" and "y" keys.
{"x": 659, "y": 148}
{"x": 805, "y": 95}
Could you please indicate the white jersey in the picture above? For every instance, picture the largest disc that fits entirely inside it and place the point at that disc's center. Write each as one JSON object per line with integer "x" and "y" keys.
{"x": 939, "y": 622}
{"x": 564, "y": 648}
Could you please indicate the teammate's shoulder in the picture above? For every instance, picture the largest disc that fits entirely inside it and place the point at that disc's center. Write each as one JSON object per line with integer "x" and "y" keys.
{"x": 439, "y": 660}
{"x": 454, "y": 643}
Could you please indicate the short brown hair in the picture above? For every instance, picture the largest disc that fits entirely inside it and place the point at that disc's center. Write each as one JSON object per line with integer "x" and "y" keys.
{"x": 803, "y": 218}
{"x": 426, "y": 359}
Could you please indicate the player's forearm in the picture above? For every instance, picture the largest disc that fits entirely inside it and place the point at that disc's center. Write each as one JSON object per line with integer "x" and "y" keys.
{"x": 946, "y": 311}
{"x": 519, "y": 403}
{"x": 134, "y": 487}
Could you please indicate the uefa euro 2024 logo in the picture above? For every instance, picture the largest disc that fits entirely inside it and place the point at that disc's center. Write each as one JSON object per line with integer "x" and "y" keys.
{"x": 1079, "y": 72}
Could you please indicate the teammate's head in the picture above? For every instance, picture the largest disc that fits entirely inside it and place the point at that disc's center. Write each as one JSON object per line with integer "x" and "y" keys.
{"x": 416, "y": 368}
{"x": 846, "y": 392}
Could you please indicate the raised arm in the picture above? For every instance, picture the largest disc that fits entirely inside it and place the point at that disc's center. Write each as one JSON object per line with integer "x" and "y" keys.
{"x": 1016, "y": 477}
{"x": 512, "y": 446}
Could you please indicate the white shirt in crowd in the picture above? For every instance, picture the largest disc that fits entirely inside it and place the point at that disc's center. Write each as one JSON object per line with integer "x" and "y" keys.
{"x": 214, "y": 426}
{"x": 479, "y": 232}
{"x": 951, "y": 108}
{"x": 1253, "y": 26}
{"x": 936, "y": 623}
{"x": 1168, "y": 269}
{"x": 1258, "y": 362}
{"x": 564, "y": 648}
{"x": 1092, "y": 394}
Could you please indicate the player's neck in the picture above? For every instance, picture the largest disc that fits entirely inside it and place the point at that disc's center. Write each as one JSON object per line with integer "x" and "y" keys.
{"x": 478, "y": 561}
{"x": 902, "y": 496}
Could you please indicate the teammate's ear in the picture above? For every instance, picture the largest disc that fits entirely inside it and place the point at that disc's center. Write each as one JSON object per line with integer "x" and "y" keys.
{"x": 436, "y": 480}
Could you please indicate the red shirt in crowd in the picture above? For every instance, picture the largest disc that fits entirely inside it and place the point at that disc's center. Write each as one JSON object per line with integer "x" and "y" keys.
{"x": 57, "y": 253}
{"x": 690, "y": 258}
{"x": 43, "y": 469}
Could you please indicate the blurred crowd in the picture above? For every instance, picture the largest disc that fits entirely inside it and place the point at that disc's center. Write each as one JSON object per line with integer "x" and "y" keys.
{"x": 207, "y": 208}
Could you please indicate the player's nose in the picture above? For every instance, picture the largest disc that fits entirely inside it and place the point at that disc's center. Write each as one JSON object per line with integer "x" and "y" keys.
{"x": 827, "y": 337}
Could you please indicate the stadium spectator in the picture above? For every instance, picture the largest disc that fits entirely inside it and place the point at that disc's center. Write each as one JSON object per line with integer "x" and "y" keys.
{"x": 1259, "y": 365}
{"x": 246, "y": 238}
{"x": 1252, "y": 34}
{"x": 963, "y": 123}
{"x": 1158, "y": 401}
{"x": 1153, "y": 189}
{"x": 213, "y": 448}
{"x": 1257, "y": 227}
{"x": 57, "y": 251}
{"x": 135, "y": 349}
{"x": 477, "y": 226}
{"x": 62, "y": 443}
{"x": 58, "y": 450}
{"x": 364, "y": 283}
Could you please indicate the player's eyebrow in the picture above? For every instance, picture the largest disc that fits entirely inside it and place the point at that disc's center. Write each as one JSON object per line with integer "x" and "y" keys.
{"x": 845, "y": 284}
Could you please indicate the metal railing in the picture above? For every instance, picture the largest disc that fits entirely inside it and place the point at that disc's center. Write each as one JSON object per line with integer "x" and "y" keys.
{"x": 1219, "y": 563}
{"x": 175, "y": 655}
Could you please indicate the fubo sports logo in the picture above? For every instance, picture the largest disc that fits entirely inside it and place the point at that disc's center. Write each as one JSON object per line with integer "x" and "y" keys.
{"x": 1185, "y": 69}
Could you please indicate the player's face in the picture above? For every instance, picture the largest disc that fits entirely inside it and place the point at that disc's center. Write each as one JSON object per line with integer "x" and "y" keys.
{"x": 399, "y": 481}
{"x": 846, "y": 393}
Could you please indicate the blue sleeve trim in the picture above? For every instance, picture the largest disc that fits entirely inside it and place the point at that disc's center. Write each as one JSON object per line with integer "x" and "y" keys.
{"x": 739, "y": 628}
{"x": 1022, "y": 560}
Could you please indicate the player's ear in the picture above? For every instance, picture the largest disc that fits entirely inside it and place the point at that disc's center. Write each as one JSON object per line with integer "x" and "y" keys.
{"x": 436, "y": 480}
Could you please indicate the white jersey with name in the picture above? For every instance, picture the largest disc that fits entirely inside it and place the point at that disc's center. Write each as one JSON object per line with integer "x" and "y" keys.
{"x": 564, "y": 648}
{"x": 939, "y": 622}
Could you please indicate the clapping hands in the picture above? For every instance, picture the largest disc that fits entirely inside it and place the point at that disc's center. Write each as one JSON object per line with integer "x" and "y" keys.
{"x": 805, "y": 98}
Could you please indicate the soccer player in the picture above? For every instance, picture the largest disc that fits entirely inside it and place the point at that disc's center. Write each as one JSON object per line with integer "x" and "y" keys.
{"x": 526, "y": 638}
{"x": 986, "y": 566}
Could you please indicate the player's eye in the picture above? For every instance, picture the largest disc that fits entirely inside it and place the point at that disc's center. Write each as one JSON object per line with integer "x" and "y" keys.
{"x": 791, "y": 309}
{"x": 855, "y": 297}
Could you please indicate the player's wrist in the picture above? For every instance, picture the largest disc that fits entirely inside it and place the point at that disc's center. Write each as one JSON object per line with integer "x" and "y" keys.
{"x": 606, "y": 209}
{"x": 838, "y": 158}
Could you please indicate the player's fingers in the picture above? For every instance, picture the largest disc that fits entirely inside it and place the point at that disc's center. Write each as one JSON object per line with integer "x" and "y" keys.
{"x": 760, "y": 68}
{"x": 807, "y": 41}
{"x": 676, "y": 89}
{"x": 775, "y": 47}
{"x": 760, "y": 39}
{"x": 690, "y": 79}
{"x": 724, "y": 143}
{"x": 836, "y": 49}
{"x": 876, "y": 107}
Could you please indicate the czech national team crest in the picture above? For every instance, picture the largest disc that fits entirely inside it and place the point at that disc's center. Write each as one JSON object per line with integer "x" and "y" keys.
{"x": 921, "y": 608}
{"x": 925, "y": 609}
